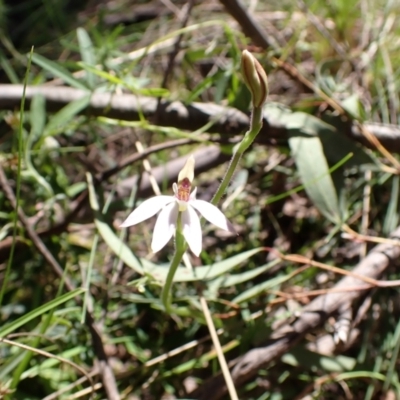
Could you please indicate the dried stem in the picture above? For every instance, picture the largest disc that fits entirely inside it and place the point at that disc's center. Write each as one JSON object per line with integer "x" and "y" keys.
{"x": 221, "y": 358}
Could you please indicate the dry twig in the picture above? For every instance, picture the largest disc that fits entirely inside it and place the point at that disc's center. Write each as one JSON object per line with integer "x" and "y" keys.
{"x": 249, "y": 25}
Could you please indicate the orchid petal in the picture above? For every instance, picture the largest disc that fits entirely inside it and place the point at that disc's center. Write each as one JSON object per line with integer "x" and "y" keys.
{"x": 192, "y": 230}
{"x": 193, "y": 194}
{"x": 212, "y": 214}
{"x": 165, "y": 226}
{"x": 146, "y": 210}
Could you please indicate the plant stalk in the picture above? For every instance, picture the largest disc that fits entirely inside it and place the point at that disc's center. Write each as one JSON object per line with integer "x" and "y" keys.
{"x": 180, "y": 248}
{"x": 248, "y": 139}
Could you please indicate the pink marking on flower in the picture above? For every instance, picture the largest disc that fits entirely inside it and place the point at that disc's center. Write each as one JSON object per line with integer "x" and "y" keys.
{"x": 183, "y": 192}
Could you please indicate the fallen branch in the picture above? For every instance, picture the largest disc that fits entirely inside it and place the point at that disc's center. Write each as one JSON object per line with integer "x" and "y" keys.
{"x": 226, "y": 120}
{"x": 312, "y": 316}
{"x": 129, "y": 107}
{"x": 249, "y": 25}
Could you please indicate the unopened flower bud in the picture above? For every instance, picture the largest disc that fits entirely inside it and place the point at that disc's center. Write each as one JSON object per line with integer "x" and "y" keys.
{"x": 255, "y": 78}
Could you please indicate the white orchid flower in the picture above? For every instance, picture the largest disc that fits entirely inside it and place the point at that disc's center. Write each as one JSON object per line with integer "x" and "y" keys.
{"x": 182, "y": 202}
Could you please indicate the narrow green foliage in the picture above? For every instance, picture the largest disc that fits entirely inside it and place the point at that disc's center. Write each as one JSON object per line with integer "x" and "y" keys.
{"x": 87, "y": 54}
{"x": 302, "y": 175}
{"x": 13, "y": 326}
{"x": 58, "y": 71}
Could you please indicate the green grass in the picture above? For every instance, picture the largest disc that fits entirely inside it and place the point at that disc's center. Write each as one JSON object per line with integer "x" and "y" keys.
{"x": 291, "y": 195}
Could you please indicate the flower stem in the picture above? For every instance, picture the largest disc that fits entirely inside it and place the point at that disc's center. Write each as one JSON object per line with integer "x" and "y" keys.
{"x": 180, "y": 248}
{"x": 248, "y": 139}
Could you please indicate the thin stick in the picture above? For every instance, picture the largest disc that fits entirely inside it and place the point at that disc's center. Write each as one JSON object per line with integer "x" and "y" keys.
{"x": 366, "y": 209}
{"x": 147, "y": 167}
{"x": 56, "y": 395}
{"x": 218, "y": 349}
{"x": 49, "y": 355}
{"x": 179, "y": 350}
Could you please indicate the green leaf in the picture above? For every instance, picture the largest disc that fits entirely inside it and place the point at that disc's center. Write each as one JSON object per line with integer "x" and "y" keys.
{"x": 353, "y": 106}
{"x": 50, "y": 363}
{"x": 315, "y": 145}
{"x": 59, "y": 120}
{"x": 314, "y": 172}
{"x": 183, "y": 274}
{"x": 10, "y": 365}
{"x": 37, "y": 118}
{"x": 337, "y": 145}
{"x": 38, "y": 121}
{"x": 87, "y": 54}
{"x": 208, "y": 272}
{"x": 300, "y": 356}
{"x": 392, "y": 214}
{"x": 108, "y": 235}
{"x": 118, "y": 246}
{"x": 113, "y": 79}
{"x": 204, "y": 84}
{"x": 260, "y": 288}
{"x": 233, "y": 280}
{"x": 58, "y": 71}
{"x": 12, "y": 326}
{"x": 8, "y": 67}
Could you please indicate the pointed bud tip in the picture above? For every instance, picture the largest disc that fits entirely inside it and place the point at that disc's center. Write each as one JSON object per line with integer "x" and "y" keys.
{"x": 255, "y": 78}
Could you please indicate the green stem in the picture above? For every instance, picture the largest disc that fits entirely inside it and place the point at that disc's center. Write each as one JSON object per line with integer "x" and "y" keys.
{"x": 248, "y": 139}
{"x": 227, "y": 178}
{"x": 180, "y": 244}
{"x": 180, "y": 248}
